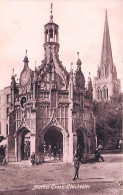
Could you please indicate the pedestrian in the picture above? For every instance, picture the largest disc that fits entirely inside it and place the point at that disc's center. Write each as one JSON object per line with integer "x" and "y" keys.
{"x": 54, "y": 152}
{"x": 76, "y": 166}
{"x": 98, "y": 155}
{"x": 33, "y": 158}
{"x": 59, "y": 152}
{"x": 50, "y": 151}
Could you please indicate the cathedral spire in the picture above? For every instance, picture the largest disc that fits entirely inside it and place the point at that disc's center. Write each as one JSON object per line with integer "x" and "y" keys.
{"x": 106, "y": 56}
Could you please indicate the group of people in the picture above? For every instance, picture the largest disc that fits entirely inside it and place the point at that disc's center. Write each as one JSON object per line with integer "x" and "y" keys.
{"x": 54, "y": 150}
{"x": 3, "y": 154}
{"x": 78, "y": 159}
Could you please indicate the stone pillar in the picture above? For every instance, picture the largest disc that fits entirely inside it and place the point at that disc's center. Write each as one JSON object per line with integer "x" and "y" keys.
{"x": 53, "y": 34}
{"x": 16, "y": 154}
{"x": 70, "y": 154}
{"x": 88, "y": 149}
{"x": 65, "y": 151}
{"x": 45, "y": 37}
{"x": 48, "y": 36}
{"x": 32, "y": 143}
{"x": 74, "y": 142}
{"x": 33, "y": 132}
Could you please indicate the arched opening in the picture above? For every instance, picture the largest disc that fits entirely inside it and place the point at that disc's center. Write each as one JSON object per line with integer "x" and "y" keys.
{"x": 82, "y": 145}
{"x": 53, "y": 144}
{"x": 80, "y": 139}
{"x": 104, "y": 93}
{"x": 23, "y": 144}
{"x": 51, "y": 35}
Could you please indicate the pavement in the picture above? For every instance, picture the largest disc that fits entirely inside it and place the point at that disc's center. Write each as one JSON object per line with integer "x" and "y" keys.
{"x": 96, "y": 178}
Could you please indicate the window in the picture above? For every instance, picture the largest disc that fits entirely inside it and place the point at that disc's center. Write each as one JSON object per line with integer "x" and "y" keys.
{"x": 8, "y": 98}
{"x": 6, "y": 129}
{"x": 98, "y": 93}
{"x": 0, "y": 128}
{"x": 51, "y": 33}
{"x": 107, "y": 93}
{"x": 7, "y": 112}
{"x": 104, "y": 93}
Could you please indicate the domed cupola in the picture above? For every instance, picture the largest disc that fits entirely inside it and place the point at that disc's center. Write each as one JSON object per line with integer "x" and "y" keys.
{"x": 51, "y": 39}
{"x": 79, "y": 77}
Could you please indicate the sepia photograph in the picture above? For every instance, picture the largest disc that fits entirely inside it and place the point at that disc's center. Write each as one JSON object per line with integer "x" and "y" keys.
{"x": 61, "y": 97}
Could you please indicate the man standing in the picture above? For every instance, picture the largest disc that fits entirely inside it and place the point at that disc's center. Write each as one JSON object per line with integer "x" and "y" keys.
{"x": 76, "y": 167}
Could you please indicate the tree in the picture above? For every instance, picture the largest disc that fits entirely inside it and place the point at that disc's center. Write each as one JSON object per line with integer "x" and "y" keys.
{"x": 109, "y": 121}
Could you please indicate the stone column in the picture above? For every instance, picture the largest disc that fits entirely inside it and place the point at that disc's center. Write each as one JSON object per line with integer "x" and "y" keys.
{"x": 16, "y": 154}
{"x": 70, "y": 154}
{"x": 74, "y": 142}
{"x": 33, "y": 132}
{"x": 32, "y": 143}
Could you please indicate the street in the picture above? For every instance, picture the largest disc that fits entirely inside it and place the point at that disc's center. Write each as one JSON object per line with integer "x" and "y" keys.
{"x": 97, "y": 178}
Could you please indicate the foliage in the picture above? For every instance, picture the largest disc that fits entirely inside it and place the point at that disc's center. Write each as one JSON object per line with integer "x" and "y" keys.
{"x": 109, "y": 120}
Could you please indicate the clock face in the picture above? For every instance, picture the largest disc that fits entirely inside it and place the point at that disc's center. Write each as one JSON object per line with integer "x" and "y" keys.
{"x": 25, "y": 78}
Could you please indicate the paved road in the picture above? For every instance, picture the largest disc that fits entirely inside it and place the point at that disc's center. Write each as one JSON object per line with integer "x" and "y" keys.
{"x": 56, "y": 178}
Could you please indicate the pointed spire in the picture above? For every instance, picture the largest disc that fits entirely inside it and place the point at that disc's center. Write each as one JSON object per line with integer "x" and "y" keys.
{"x": 13, "y": 72}
{"x": 89, "y": 78}
{"x": 106, "y": 56}
{"x": 78, "y": 54}
{"x": 71, "y": 66}
{"x": 71, "y": 70}
{"x": 78, "y": 62}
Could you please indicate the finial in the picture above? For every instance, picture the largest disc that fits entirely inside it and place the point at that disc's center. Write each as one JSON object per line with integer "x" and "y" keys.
{"x": 71, "y": 68}
{"x": 51, "y": 16}
{"x": 71, "y": 65}
{"x": 13, "y": 75}
{"x": 78, "y": 54}
{"x": 26, "y": 58}
{"x": 35, "y": 64}
{"x": 13, "y": 72}
{"x": 89, "y": 77}
{"x": 51, "y": 7}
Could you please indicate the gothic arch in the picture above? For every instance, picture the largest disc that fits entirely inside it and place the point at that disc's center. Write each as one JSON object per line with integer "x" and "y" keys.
{"x": 21, "y": 137}
{"x": 83, "y": 140}
{"x": 99, "y": 93}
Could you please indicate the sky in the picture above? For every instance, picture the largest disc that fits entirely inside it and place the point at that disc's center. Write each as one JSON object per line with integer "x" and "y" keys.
{"x": 81, "y": 26}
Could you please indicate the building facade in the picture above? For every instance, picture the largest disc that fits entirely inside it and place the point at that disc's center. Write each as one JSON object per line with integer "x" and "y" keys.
{"x": 5, "y": 101}
{"x": 106, "y": 83}
{"x": 51, "y": 106}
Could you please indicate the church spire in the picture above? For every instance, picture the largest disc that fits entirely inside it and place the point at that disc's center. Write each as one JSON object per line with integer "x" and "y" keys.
{"x": 106, "y": 56}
